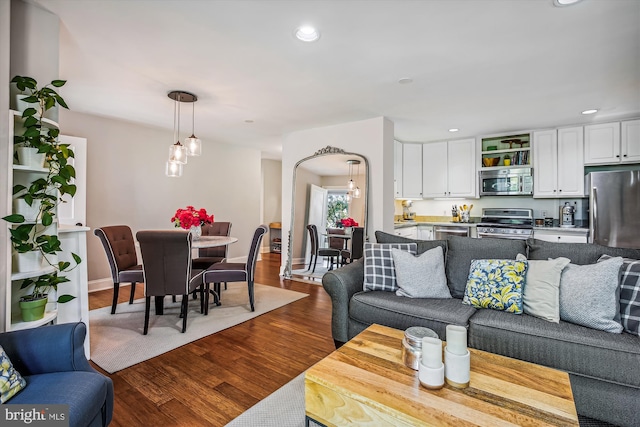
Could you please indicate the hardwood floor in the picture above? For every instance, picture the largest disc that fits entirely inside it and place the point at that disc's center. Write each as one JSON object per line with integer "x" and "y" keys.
{"x": 213, "y": 380}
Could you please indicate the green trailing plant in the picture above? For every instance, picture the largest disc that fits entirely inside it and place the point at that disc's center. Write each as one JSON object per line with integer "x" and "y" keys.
{"x": 48, "y": 190}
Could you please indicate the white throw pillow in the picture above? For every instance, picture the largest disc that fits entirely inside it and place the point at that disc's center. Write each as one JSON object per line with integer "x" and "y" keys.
{"x": 420, "y": 276}
{"x": 588, "y": 295}
{"x": 541, "y": 296}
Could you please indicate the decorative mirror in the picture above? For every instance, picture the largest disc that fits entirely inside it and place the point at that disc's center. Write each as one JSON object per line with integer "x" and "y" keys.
{"x": 328, "y": 186}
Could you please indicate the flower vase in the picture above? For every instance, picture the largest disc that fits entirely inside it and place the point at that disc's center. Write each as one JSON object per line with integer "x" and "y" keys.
{"x": 196, "y": 232}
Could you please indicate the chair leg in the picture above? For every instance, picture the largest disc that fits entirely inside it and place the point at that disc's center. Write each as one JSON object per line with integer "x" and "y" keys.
{"x": 205, "y": 299}
{"x": 133, "y": 292}
{"x": 116, "y": 288}
{"x": 225, "y": 286}
{"x": 315, "y": 260}
{"x": 185, "y": 309}
{"x": 251, "y": 296}
{"x": 147, "y": 308}
{"x": 173, "y": 298}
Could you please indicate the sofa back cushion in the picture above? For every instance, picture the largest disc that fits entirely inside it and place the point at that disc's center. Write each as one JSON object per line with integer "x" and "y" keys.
{"x": 423, "y": 245}
{"x": 462, "y": 250}
{"x": 578, "y": 253}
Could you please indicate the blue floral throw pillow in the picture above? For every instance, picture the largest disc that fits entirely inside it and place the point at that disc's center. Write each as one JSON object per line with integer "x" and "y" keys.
{"x": 11, "y": 381}
{"x": 496, "y": 284}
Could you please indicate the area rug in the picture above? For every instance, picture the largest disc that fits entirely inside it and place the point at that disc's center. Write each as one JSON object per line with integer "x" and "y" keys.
{"x": 117, "y": 341}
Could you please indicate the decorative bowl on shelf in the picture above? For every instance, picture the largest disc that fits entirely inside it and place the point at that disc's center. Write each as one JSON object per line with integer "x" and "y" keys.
{"x": 490, "y": 161}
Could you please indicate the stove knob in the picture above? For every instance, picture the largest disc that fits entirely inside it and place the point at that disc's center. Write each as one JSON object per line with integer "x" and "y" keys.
{"x": 491, "y": 230}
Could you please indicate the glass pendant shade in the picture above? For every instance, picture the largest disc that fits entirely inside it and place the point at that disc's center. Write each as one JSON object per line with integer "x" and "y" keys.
{"x": 351, "y": 185}
{"x": 348, "y": 197}
{"x": 173, "y": 169}
{"x": 193, "y": 145}
{"x": 178, "y": 152}
{"x": 356, "y": 193}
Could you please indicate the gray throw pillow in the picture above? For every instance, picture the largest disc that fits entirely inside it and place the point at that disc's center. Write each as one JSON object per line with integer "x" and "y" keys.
{"x": 588, "y": 295}
{"x": 541, "y": 296}
{"x": 421, "y": 276}
{"x": 379, "y": 270}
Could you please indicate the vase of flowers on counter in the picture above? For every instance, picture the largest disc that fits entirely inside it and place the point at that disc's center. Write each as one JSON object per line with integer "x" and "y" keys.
{"x": 192, "y": 219}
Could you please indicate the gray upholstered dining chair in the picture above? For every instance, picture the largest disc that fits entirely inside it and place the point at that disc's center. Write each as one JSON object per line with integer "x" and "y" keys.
{"x": 209, "y": 256}
{"x": 166, "y": 259}
{"x": 234, "y": 272}
{"x": 120, "y": 249}
{"x": 317, "y": 251}
{"x": 357, "y": 246}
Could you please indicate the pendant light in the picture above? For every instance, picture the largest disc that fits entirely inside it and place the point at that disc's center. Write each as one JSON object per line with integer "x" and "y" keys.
{"x": 178, "y": 153}
{"x": 351, "y": 185}
{"x": 193, "y": 143}
{"x": 356, "y": 191}
{"x": 173, "y": 169}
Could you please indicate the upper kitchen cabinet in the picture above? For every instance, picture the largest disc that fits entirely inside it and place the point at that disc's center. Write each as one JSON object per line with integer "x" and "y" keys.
{"x": 411, "y": 171}
{"x": 559, "y": 167}
{"x": 499, "y": 152}
{"x": 603, "y": 144}
{"x": 449, "y": 169}
{"x": 397, "y": 169}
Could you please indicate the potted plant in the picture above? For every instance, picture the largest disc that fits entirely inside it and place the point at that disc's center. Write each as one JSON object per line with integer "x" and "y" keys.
{"x": 33, "y": 145}
{"x": 30, "y": 238}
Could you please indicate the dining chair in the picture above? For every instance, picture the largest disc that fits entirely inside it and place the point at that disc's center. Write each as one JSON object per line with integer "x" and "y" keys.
{"x": 357, "y": 245}
{"x": 317, "y": 251}
{"x": 234, "y": 272}
{"x": 120, "y": 249}
{"x": 336, "y": 242}
{"x": 166, "y": 259}
{"x": 209, "y": 256}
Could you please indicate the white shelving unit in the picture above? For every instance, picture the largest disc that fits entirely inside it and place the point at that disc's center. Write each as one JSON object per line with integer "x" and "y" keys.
{"x": 520, "y": 155}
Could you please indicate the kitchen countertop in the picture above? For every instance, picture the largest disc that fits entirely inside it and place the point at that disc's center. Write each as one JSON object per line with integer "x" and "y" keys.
{"x": 405, "y": 224}
{"x": 567, "y": 229}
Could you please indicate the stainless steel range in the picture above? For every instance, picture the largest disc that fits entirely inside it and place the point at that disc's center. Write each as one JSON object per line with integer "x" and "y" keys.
{"x": 506, "y": 223}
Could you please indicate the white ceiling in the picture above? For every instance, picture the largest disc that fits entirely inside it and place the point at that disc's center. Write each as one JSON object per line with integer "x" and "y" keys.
{"x": 483, "y": 66}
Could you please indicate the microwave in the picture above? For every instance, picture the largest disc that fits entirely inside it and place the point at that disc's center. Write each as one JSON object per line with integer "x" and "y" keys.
{"x": 507, "y": 182}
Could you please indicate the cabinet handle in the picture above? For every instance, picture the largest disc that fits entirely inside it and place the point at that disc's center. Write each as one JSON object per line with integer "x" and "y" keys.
{"x": 624, "y": 155}
{"x": 560, "y": 191}
{"x": 618, "y": 155}
{"x": 554, "y": 191}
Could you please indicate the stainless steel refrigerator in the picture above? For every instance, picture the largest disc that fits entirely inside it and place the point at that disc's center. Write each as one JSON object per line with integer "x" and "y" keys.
{"x": 614, "y": 208}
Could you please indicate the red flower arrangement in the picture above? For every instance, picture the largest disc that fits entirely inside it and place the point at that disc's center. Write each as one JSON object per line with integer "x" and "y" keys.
{"x": 189, "y": 217}
{"x": 348, "y": 222}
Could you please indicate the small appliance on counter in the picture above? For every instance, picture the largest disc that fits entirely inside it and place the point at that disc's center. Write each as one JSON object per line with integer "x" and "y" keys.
{"x": 407, "y": 215}
{"x": 567, "y": 215}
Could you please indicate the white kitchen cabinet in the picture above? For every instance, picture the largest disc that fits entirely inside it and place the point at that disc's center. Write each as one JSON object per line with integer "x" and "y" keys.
{"x": 558, "y": 163}
{"x": 412, "y": 171}
{"x": 602, "y": 144}
{"x": 449, "y": 169}
{"x": 425, "y": 232}
{"x": 560, "y": 236}
{"x": 409, "y": 232}
{"x": 630, "y": 141}
{"x": 397, "y": 169}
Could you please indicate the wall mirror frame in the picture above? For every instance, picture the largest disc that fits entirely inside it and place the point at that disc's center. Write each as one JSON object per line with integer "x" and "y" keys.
{"x": 345, "y": 156}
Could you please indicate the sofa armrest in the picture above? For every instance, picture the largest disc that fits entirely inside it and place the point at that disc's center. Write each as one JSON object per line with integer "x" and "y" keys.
{"x": 341, "y": 284}
{"x": 55, "y": 348}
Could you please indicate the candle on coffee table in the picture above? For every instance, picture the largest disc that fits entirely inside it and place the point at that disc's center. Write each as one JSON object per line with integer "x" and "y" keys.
{"x": 432, "y": 352}
{"x": 457, "y": 339}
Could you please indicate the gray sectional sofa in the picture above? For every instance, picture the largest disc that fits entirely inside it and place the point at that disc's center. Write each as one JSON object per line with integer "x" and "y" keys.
{"x": 604, "y": 368}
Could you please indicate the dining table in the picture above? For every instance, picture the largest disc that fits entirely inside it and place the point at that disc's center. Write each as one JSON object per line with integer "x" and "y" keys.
{"x": 201, "y": 243}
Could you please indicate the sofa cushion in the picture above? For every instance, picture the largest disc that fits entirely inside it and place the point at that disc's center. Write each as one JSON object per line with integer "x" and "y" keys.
{"x": 397, "y": 312}
{"x": 462, "y": 250}
{"x": 496, "y": 284}
{"x": 11, "y": 382}
{"x": 81, "y": 391}
{"x": 423, "y": 245}
{"x": 421, "y": 276}
{"x": 629, "y": 294}
{"x": 566, "y": 346}
{"x": 588, "y": 295}
{"x": 541, "y": 296}
{"x": 379, "y": 270}
{"x": 578, "y": 253}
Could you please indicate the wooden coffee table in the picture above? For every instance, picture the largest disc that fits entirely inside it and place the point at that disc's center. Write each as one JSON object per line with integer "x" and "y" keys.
{"x": 365, "y": 382}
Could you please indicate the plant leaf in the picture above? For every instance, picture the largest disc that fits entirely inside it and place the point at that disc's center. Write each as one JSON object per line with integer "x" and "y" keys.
{"x": 58, "y": 83}
{"x": 76, "y": 258}
{"x": 14, "y": 218}
{"x": 47, "y": 219}
{"x": 65, "y": 298}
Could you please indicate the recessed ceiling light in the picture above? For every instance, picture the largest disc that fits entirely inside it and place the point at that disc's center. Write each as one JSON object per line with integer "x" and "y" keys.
{"x": 589, "y": 112}
{"x": 453, "y": 130}
{"x": 561, "y": 3}
{"x": 248, "y": 121}
{"x": 307, "y": 33}
{"x": 405, "y": 81}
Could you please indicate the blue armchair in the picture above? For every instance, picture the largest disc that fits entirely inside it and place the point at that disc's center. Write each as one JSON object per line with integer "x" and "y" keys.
{"x": 52, "y": 361}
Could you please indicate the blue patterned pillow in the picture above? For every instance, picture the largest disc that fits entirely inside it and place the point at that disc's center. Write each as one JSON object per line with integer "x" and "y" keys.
{"x": 11, "y": 381}
{"x": 496, "y": 284}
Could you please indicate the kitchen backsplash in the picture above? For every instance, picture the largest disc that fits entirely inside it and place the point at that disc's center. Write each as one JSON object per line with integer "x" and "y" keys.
{"x": 549, "y": 208}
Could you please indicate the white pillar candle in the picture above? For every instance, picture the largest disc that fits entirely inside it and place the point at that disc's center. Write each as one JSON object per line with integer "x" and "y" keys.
{"x": 432, "y": 352}
{"x": 457, "y": 339}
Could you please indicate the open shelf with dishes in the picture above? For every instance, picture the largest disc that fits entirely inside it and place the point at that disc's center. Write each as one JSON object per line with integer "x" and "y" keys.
{"x": 506, "y": 151}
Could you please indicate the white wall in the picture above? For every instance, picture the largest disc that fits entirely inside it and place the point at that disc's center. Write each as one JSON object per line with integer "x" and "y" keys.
{"x": 373, "y": 139}
{"x": 126, "y": 182}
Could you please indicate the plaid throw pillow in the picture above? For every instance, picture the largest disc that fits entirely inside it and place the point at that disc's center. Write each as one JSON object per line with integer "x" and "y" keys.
{"x": 379, "y": 270}
{"x": 629, "y": 294}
